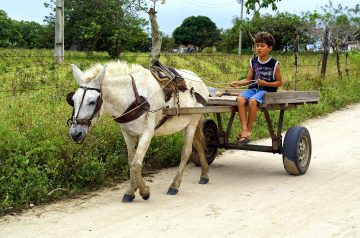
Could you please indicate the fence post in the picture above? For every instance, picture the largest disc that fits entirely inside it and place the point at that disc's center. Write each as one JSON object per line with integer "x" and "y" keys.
{"x": 59, "y": 32}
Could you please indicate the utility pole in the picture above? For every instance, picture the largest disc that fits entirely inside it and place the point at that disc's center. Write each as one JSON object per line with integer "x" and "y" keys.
{"x": 241, "y": 18}
{"x": 59, "y": 32}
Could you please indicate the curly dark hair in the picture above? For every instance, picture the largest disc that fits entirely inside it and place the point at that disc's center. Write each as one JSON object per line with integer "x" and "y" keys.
{"x": 265, "y": 37}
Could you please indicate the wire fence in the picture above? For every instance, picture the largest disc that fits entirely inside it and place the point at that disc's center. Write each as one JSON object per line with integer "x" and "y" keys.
{"x": 19, "y": 86}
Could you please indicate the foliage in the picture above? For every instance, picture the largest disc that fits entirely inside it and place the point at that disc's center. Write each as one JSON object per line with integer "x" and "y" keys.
{"x": 283, "y": 26}
{"x": 101, "y": 25}
{"x": 256, "y": 5}
{"x": 23, "y": 34}
{"x": 40, "y": 164}
{"x": 168, "y": 43}
{"x": 199, "y": 31}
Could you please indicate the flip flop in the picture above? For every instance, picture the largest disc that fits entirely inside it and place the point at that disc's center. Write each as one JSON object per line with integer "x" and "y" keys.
{"x": 243, "y": 140}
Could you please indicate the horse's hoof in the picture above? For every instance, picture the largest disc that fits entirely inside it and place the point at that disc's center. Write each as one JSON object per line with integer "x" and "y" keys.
{"x": 146, "y": 197}
{"x": 128, "y": 198}
{"x": 203, "y": 180}
{"x": 172, "y": 191}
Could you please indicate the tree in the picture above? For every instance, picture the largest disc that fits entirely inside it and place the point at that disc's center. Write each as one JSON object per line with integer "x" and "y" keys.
{"x": 199, "y": 31}
{"x": 283, "y": 26}
{"x": 23, "y": 34}
{"x": 336, "y": 26}
{"x": 343, "y": 25}
{"x": 143, "y": 5}
{"x": 101, "y": 25}
{"x": 257, "y": 5}
{"x": 5, "y": 29}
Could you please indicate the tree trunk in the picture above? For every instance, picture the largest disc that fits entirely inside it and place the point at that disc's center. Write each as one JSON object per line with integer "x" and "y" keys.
{"x": 156, "y": 38}
{"x": 325, "y": 52}
{"x": 338, "y": 61}
{"x": 296, "y": 54}
{"x": 347, "y": 64}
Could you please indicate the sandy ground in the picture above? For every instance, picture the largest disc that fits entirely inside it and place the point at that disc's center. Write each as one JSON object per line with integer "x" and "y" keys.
{"x": 249, "y": 195}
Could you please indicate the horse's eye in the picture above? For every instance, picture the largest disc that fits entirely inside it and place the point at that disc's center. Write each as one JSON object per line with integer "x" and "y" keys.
{"x": 92, "y": 103}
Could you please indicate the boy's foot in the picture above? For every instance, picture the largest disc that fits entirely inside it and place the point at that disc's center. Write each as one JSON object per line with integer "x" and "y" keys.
{"x": 243, "y": 139}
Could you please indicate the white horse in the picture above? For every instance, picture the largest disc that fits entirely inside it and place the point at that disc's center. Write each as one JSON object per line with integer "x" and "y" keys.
{"x": 116, "y": 87}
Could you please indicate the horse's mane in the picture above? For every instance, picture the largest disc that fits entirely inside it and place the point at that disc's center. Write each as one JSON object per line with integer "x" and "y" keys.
{"x": 114, "y": 68}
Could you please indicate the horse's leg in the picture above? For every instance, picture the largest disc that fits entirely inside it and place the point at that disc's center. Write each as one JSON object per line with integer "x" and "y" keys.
{"x": 199, "y": 144}
{"x": 131, "y": 143}
{"x": 136, "y": 164}
{"x": 185, "y": 153}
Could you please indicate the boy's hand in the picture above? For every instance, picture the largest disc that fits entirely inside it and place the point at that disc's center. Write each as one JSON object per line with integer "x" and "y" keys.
{"x": 239, "y": 83}
{"x": 261, "y": 82}
{"x": 234, "y": 84}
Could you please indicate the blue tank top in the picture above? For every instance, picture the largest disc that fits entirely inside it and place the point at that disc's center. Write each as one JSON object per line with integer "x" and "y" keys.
{"x": 264, "y": 71}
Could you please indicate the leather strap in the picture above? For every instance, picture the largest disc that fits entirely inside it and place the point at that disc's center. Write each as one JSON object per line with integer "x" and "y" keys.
{"x": 136, "y": 109}
{"x": 137, "y": 98}
{"x": 162, "y": 121}
{"x": 200, "y": 98}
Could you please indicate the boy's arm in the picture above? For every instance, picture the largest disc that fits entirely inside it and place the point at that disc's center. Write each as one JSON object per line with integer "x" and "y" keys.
{"x": 244, "y": 81}
{"x": 278, "y": 79}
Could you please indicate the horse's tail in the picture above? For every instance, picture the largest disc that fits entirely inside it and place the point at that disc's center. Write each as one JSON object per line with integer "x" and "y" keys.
{"x": 200, "y": 146}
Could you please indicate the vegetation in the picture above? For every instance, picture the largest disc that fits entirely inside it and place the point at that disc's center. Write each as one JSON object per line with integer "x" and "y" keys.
{"x": 199, "y": 31}
{"x": 24, "y": 34}
{"x": 39, "y": 163}
{"x": 291, "y": 24}
{"x": 257, "y": 5}
{"x": 102, "y": 25}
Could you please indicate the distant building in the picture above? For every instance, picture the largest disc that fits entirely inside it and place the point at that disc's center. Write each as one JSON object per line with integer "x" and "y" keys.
{"x": 186, "y": 49}
{"x": 353, "y": 45}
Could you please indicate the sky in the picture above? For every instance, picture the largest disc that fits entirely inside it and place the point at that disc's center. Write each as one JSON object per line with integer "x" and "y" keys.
{"x": 173, "y": 12}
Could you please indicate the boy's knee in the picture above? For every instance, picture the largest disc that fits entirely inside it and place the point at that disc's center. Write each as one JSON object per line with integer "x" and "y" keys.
{"x": 241, "y": 100}
{"x": 253, "y": 103}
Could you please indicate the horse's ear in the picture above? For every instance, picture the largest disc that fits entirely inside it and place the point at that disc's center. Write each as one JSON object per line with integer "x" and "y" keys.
{"x": 100, "y": 77}
{"x": 78, "y": 75}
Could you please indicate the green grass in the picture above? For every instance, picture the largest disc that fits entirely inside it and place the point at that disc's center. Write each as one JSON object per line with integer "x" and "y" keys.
{"x": 40, "y": 164}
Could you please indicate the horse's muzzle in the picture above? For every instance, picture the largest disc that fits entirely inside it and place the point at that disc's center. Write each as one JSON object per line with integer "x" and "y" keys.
{"x": 78, "y": 133}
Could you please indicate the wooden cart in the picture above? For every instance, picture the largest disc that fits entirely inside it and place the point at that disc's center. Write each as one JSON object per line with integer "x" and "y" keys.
{"x": 296, "y": 148}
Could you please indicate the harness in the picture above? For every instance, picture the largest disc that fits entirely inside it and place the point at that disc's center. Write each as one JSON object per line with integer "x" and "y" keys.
{"x": 140, "y": 105}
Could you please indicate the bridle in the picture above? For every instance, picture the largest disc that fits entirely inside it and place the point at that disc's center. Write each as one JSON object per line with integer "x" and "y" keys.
{"x": 134, "y": 111}
{"x": 74, "y": 120}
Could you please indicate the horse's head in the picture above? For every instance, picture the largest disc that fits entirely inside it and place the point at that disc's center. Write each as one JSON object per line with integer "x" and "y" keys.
{"x": 86, "y": 103}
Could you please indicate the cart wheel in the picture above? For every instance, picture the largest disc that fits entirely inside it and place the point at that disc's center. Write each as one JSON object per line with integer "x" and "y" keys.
{"x": 211, "y": 134}
{"x": 297, "y": 150}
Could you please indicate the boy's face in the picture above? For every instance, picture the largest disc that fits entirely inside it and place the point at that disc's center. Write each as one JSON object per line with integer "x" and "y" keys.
{"x": 262, "y": 49}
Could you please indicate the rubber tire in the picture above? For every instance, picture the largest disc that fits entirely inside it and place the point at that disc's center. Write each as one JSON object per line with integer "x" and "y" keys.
{"x": 297, "y": 150}
{"x": 211, "y": 134}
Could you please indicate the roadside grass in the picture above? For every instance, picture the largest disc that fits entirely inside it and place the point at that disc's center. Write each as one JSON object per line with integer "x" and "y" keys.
{"x": 39, "y": 163}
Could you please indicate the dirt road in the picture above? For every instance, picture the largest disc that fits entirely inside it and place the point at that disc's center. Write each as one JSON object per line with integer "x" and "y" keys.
{"x": 249, "y": 195}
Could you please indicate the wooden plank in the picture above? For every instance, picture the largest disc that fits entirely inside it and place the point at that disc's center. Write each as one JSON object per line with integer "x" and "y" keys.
{"x": 225, "y": 100}
{"x": 273, "y": 101}
{"x": 291, "y": 97}
{"x": 197, "y": 110}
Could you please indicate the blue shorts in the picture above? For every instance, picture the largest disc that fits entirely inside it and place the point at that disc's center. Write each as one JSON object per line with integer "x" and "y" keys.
{"x": 253, "y": 93}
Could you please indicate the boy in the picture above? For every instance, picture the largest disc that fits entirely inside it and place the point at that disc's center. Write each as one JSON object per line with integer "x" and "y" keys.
{"x": 263, "y": 76}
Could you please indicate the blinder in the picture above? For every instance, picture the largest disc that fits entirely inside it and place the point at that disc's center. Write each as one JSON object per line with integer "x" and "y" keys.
{"x": 69, "y": 99}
